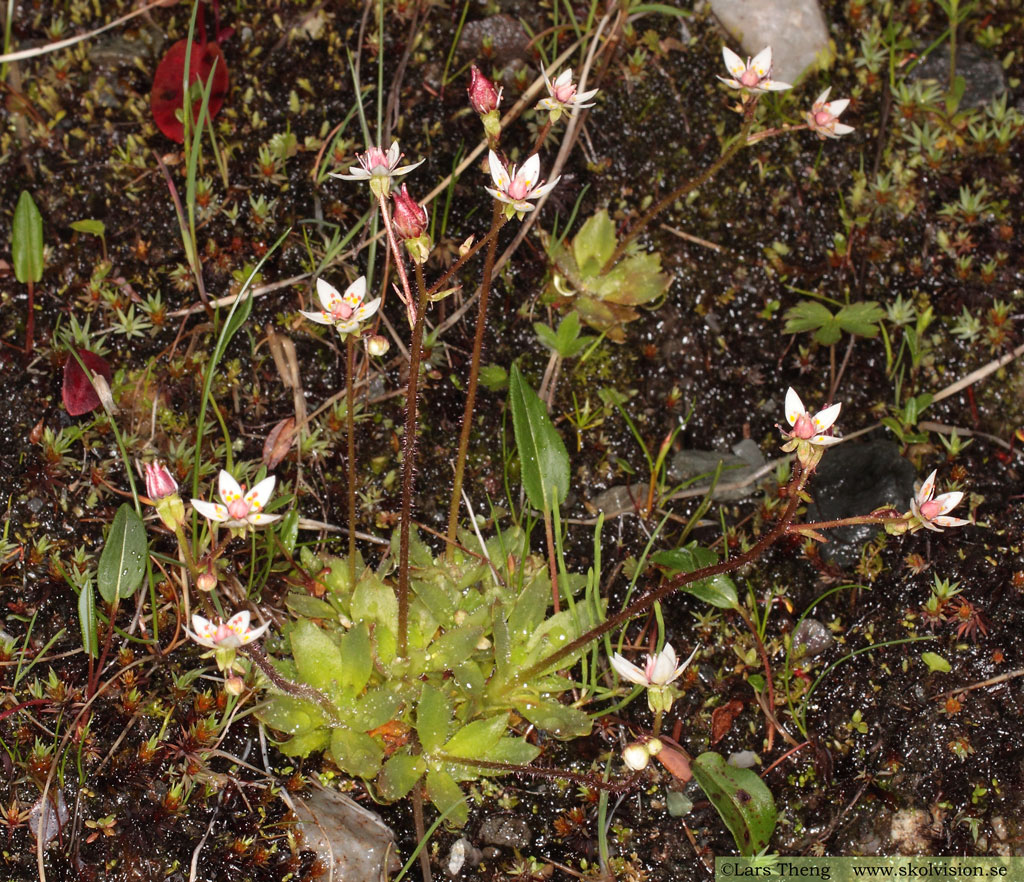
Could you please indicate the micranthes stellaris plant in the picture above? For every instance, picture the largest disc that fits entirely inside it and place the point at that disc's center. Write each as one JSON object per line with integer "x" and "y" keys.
{"x": 514, "y": 190}
{"x": 393, "y": 673}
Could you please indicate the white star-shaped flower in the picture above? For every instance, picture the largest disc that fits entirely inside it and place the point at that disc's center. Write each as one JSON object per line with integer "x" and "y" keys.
{"x": 345, "y": 311}
{"x": 231, "y": 634}
{"x": 240, "y": 508}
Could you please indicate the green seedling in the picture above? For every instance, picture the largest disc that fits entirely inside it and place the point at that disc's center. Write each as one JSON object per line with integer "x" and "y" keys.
{"x": 27, "y": 253}
{"x": 94, "y": 228}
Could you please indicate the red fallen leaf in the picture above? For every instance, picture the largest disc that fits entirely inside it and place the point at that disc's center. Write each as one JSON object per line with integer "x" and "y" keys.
{"x": 79, "y": 395}
{"x": 167, "y": 97}
{"x": 278, "y": 442}
{"x": 722, "y": 719}
{"x": 675, "y": 763}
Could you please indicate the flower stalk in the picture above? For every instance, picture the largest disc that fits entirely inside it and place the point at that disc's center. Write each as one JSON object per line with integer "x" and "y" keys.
{"x": 497, "y": 220}
{"x": 409, "y": 462}
{"x": 350, "y": 431}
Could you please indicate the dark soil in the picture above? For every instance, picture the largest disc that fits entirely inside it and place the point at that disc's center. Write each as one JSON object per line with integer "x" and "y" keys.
{"x": 885, "y": 735}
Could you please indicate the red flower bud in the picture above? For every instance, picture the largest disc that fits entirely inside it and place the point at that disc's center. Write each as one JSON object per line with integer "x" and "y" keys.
{"x": 410, "y": 217}
{"x": 159, "y": 481}
{"x": 482, "y": 95}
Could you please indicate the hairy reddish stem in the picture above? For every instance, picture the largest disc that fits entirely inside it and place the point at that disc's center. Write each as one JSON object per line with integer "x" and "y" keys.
{"x": 497, "y": 221}
{"x": 409, "y": 464}
{"x": 644, "y": 603}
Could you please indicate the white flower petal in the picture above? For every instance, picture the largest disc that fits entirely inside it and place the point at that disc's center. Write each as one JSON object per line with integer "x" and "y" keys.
{"x": 228, "y": 488}
{"x": 544, "y": 189}
{"x": 794, "y": 406}
{"x": 405, "y": 169}
{"x": 927, "y": 489}
{"x": 255, "y": 633}
{"x": 946, "y": 521}
{"x": 499, "y": 174}
{"x": 367, "y": 309}
{"x": 823, "y": 419}
{"x": 838, "y": 106}
{"x": 356, "y": 292}
{"x": 211, "y": 510}
{"x": 203, "y": 627}
{"x": 258, "y": 496}
{"x": 628, "y": 671}
{"x": 822, "y": 98}
{"x": 327, "y": 294}
{"x": 762, "y": 62}
{"x": 239, "y": 622}
{"x": 825, "y": 440}
{"x": 733, "y": 63}
{"x": 321, "y": 318}
{"x": 948, "y": 501}
{"x": 530, "y": 172}
{"x": 356, "y": 173}
{"x": 259, "y": 519}
{"x": 663, "y": 669}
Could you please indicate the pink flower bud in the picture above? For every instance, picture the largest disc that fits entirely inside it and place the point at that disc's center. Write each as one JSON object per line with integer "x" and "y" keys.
{"x": 207, "y": 580}
{"x": 482, "y": 95}
{"x": 410, "y": 217}
{"x": 159, "y": 481}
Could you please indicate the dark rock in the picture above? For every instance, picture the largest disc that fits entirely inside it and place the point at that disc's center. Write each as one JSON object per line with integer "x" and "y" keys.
{"x": 495, "y": 41}
{"x": 812, "y": 637}
{"x": 855, "y": 479}
{"x": 983, "y": 75}
{"x": 745, "y": 459}
{"x": 506, "y": 832}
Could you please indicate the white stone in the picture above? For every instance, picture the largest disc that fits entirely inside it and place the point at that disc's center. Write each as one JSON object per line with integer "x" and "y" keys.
{"x": 795, "y": 29}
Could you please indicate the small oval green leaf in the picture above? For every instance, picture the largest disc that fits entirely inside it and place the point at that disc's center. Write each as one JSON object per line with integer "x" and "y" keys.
{"x": 27, "y": 240}
{"x": 447, "y": 797}
{"x": 741, "y": 798}
{"x": 317, "y": 656}
{"x": 399, "y": 776}
{"x": 935, "y": 662}
{"x": 91, "y": 226}
{"x": 122, "y": 563}
{"x": 356, "y": 752}
{"x": 433, "y": 715}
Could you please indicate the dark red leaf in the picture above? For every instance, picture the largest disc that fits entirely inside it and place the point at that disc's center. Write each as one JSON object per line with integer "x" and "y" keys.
{"x": 79, "y": 395}
{"x": 167, "y": 97}
{"x": 722, "y": 719}
{"x": 675, "y": 762}
{"x": 278, "y": 442}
